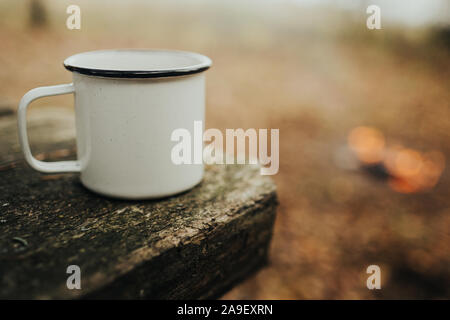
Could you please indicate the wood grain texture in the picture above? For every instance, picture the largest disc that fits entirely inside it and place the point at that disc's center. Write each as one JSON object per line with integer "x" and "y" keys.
{"x": 195, "y": 245}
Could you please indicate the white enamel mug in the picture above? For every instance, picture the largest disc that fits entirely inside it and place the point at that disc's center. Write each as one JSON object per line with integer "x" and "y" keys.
{"x": 127, "y": 104}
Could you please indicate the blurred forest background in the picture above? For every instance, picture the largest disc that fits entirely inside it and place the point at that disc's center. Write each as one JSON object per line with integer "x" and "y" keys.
{"x": 364, "y": 119}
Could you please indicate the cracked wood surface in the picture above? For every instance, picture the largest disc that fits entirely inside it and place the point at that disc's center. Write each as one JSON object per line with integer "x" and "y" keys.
{"x": 195, "y": 245}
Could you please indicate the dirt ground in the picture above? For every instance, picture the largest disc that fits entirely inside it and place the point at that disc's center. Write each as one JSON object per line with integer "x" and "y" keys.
{"x": 335, "y": 217}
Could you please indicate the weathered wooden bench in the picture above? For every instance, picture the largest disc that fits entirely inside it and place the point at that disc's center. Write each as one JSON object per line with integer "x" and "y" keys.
{"x": 195, "y": 245}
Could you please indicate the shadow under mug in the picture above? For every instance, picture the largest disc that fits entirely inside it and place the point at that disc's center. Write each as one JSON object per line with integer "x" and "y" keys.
{"x": 127, "y": 104}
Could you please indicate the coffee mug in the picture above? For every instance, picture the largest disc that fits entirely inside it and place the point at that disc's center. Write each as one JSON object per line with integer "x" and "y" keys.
{"x": 127, "y": 104}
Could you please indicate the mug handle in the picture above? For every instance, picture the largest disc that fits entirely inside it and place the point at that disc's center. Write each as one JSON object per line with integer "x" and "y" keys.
{"x": 42, "y": 166}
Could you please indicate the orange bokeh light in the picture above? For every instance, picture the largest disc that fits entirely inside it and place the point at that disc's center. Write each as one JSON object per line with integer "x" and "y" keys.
{"x": 410, "y": 170}
{"x": 407, "y": 163}
{"x": 368, "y": 144}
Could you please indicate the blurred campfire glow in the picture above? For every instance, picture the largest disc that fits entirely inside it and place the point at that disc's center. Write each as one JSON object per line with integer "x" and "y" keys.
{"x": 368, "y": 144}
{"x": 409, "y": 170}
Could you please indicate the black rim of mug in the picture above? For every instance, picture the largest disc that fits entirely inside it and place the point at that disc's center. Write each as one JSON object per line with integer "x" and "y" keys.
{"x": 134, "y": 74}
